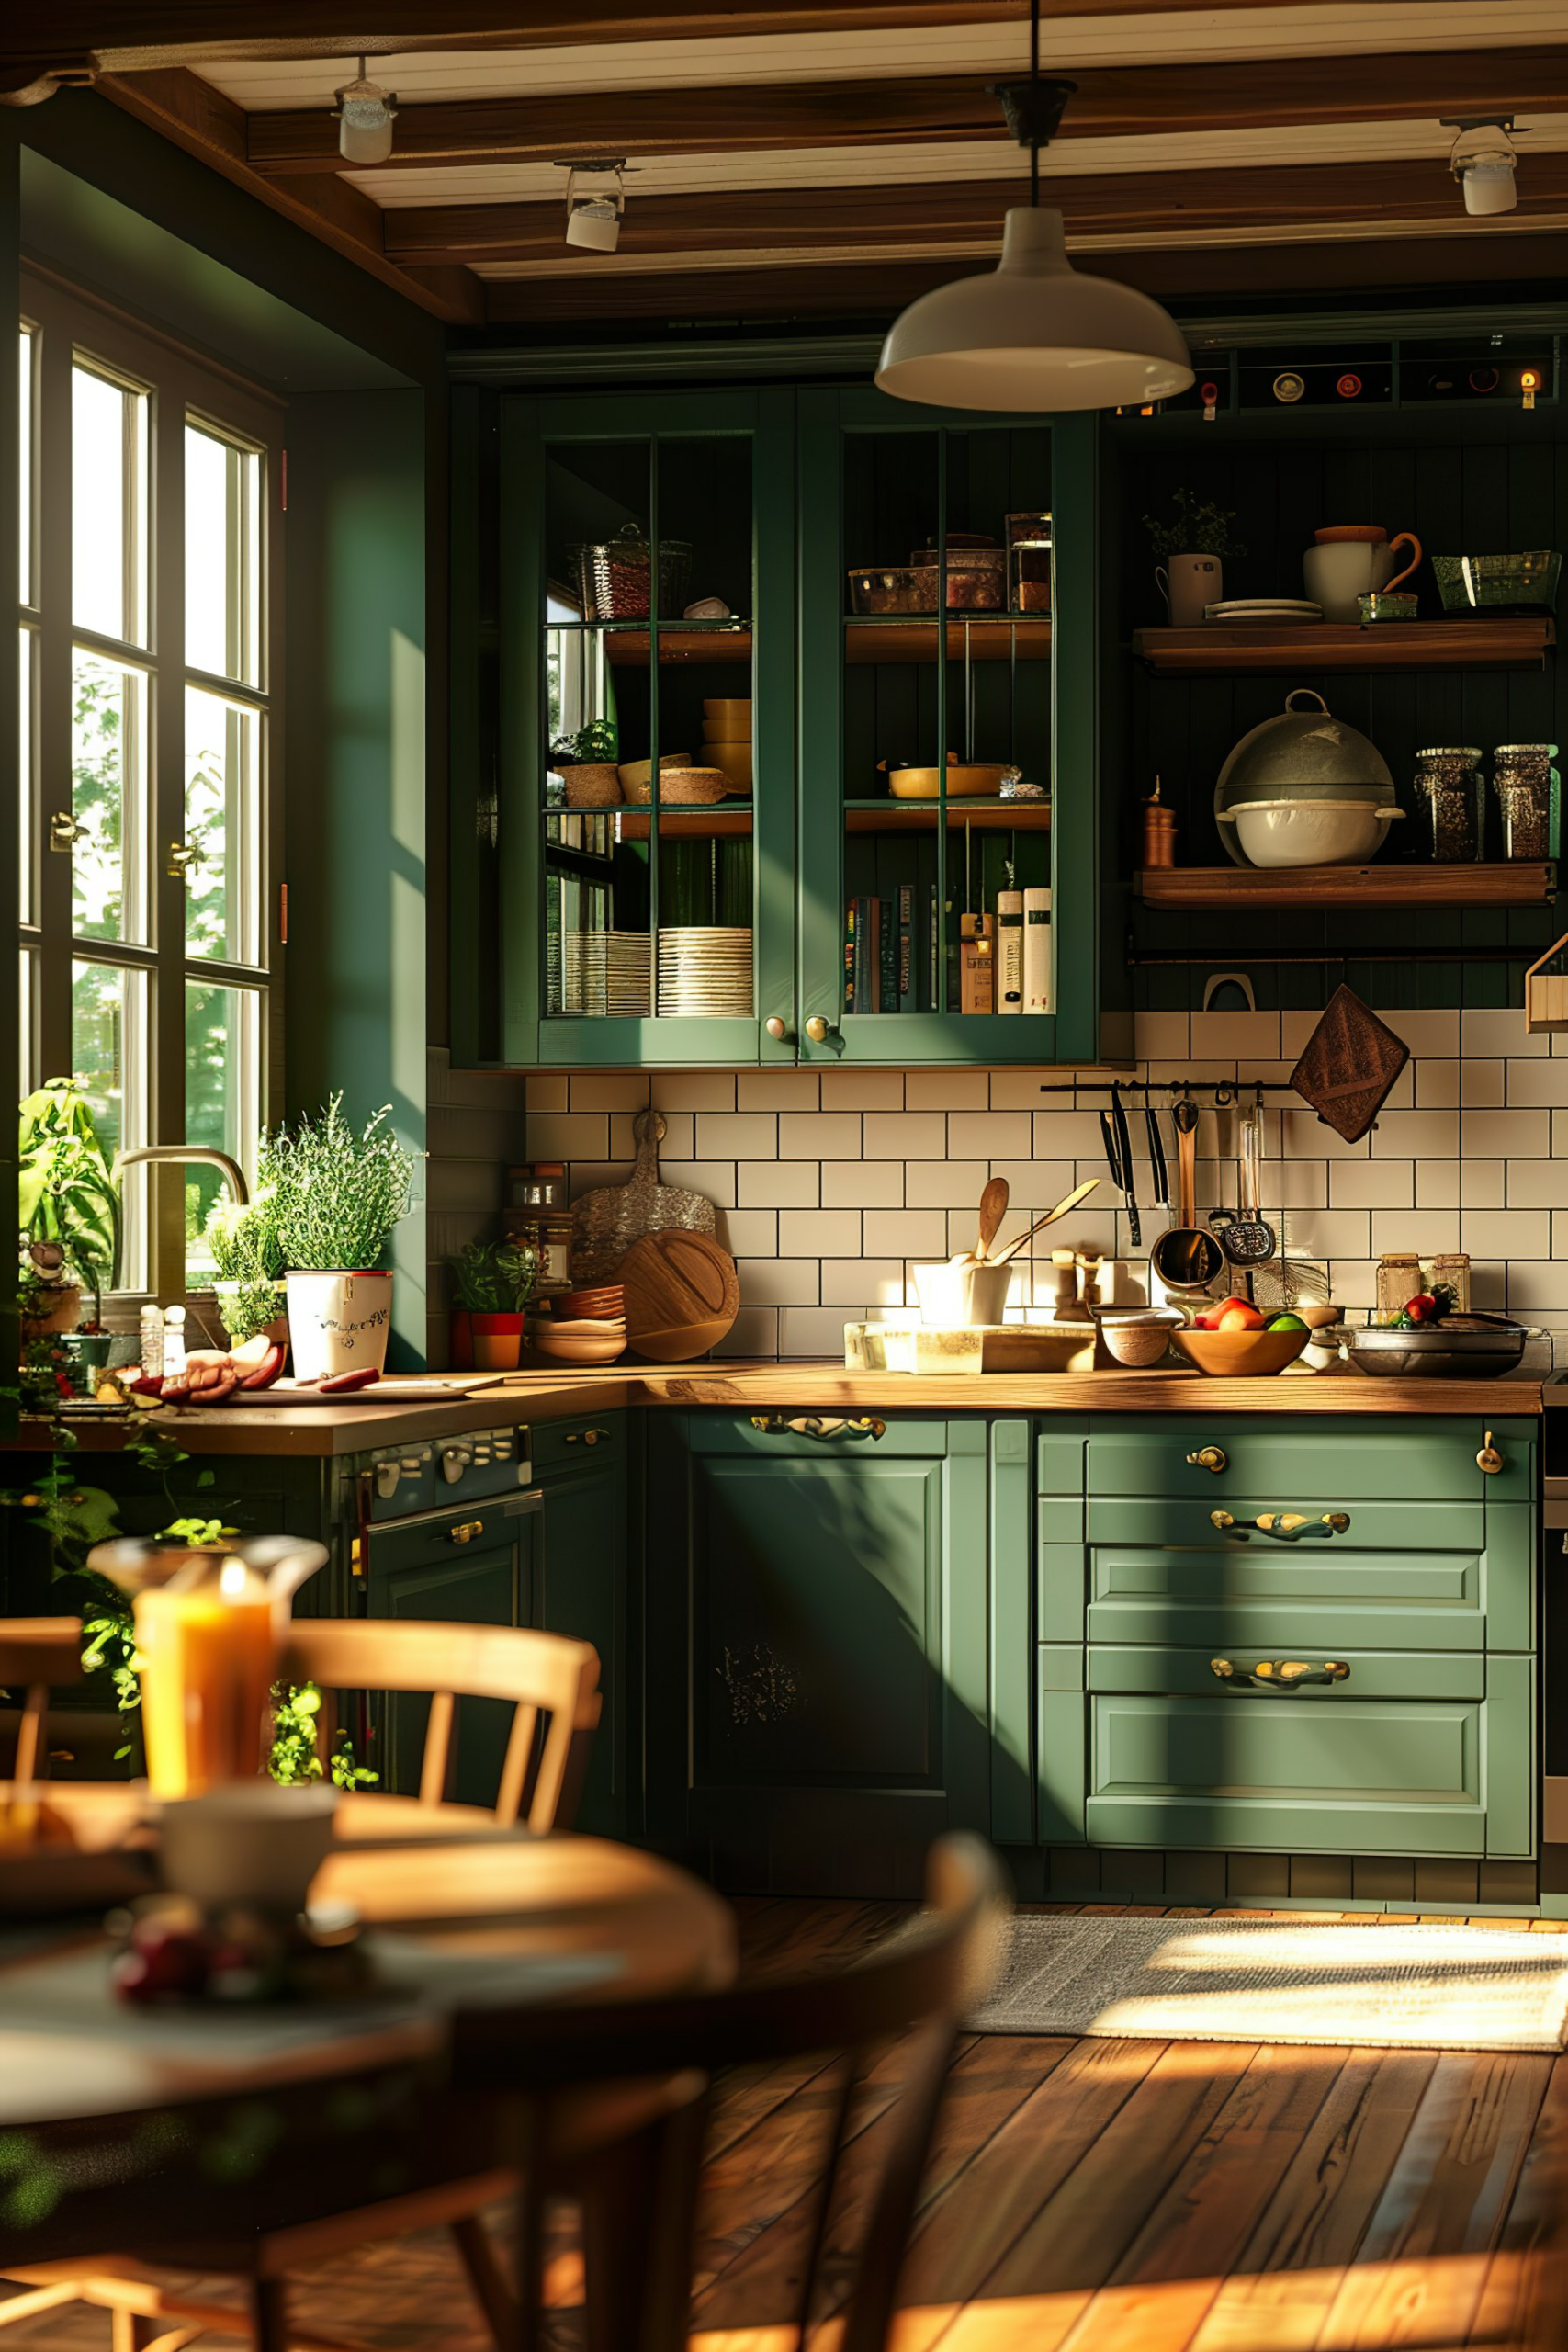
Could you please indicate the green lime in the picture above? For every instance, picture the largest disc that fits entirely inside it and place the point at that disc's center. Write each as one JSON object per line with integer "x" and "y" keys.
{"x": 1287, "y": 1323}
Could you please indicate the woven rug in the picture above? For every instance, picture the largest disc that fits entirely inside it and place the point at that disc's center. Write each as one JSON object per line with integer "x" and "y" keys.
{"x": 1397, "y": 1987}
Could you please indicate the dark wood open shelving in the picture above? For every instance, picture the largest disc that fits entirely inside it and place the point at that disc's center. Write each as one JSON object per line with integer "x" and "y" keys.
{"x": 1518, "y": 884}
{"x": 992, "y": 637}
{"x": 1479, "y": 644}
{"x": 723, "y": 823}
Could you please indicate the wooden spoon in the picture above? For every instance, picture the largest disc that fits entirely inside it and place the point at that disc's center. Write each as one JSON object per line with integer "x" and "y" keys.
{"x": 993, "y": 1208}
{"x": 1081, "y": 1193}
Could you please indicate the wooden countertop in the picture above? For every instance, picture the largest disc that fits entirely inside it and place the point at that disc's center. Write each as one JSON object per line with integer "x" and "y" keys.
{"x": 330, "y": 1431}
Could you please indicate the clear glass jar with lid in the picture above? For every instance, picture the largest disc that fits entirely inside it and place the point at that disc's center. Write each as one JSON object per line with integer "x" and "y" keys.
{"x": 1525, "y": 782}
{"x": 1452, "y": 791}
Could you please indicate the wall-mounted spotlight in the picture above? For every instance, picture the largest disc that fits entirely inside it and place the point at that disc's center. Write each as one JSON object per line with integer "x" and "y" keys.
{"x": 365, "y": 113}
{"x": 595, "y": 200}
{"x": 1484, "y": 161}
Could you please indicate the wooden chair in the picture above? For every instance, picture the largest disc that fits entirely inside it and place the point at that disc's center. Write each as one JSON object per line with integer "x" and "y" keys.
{"x": 639, "y": 2199}
{"x": 552, "y": 1685}
{"x": 42, "y": 1655}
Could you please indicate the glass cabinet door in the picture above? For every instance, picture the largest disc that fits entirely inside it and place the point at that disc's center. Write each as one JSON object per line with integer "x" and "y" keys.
{"x": 947, "y": 834}
{"x": 648, "y": 746}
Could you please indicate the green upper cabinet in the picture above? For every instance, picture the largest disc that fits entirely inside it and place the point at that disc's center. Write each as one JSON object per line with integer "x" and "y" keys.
{"x": 748, "y": 582}
{"x": 949, "y": 898}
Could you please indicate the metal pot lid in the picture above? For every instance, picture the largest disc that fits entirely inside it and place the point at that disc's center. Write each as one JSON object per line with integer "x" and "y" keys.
{"x": 1303, "y": 755}
{"x": 1439, "y": 1338}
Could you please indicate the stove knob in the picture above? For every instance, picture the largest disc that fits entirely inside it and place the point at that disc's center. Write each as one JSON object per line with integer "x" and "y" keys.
{"x": 455, "y": 1460}
{"x": 386, "y": 1480}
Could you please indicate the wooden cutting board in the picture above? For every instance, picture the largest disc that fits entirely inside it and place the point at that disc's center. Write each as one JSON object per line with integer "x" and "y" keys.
{"x": 682, "y": 1295}
{"x": 605, "y": 1223}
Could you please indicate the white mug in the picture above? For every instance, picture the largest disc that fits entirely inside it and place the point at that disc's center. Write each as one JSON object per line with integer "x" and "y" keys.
{"x": 1338, "y": 571}
{"x": 1192, "y": 582}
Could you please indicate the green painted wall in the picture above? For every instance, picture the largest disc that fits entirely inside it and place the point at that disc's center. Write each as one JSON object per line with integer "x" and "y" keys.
{"x": 357, "y": 692}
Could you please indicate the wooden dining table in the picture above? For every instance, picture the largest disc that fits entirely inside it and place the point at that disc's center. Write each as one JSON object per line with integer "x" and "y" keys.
{"x": 147, "y": 2127}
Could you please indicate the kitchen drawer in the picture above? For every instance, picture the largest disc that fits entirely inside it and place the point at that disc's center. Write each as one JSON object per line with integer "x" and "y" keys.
{"x": 1415, "y": 1754}
{"x": 598, "y": 1436}
{"x": 1402, "y": 1576}
{"x": 807, "y": 1434}
{"x": 1402, "y": 1458}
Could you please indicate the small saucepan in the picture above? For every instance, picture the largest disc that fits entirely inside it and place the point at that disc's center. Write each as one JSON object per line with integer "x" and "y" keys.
{"x": 1185, "y": 1258}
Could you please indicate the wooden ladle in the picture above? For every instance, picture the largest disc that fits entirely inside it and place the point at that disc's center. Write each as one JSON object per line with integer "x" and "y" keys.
{"x": 1079, "y": 1193}
{"x": 993, "y": 1208}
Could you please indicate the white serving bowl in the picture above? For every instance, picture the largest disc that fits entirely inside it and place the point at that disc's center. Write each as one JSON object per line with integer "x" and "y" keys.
{"x": 1310, "y": 832}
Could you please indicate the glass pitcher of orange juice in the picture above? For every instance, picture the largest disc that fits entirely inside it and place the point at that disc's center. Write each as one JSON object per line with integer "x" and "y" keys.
{"x": 210, "y": 1621}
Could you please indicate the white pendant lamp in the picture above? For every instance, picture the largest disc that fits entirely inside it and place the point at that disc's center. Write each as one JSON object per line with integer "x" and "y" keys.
{"x": 1034, "y": 333}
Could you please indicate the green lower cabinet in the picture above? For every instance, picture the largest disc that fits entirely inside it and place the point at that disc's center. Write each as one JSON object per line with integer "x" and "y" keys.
{"x": 580, "y": 1588}
{"x": 1408, "y": 1755}
{"x": 817, "y": 1674}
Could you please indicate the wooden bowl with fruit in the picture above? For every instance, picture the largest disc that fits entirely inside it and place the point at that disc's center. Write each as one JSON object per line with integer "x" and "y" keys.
{"x": 1231, "y": 1341}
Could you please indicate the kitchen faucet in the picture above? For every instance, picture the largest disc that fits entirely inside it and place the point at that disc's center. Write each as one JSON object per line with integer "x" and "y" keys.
{"x": 176, "y": 1154}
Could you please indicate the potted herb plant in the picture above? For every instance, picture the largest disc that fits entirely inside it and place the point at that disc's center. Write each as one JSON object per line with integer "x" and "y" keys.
{"x": 248, "y": 1256}
{"x": 491, "y": 1283}
{"x": 68, "y": 1210}
{"x": 1189, "y": 549}
{"x": 586, "y": 764}
{"x": 336, "y": 1192}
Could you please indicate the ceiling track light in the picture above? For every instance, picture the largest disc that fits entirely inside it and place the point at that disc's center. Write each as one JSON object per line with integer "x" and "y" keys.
{"x": 1484, "y": 161}
{"x": 365, "y": 114}
{"x": 595, "y": 202}
{"x": 1035, "y": 333}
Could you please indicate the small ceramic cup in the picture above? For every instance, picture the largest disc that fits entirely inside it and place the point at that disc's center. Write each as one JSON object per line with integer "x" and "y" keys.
{"x": 1382, "y": 607}
{"x": 248, "y": 1843}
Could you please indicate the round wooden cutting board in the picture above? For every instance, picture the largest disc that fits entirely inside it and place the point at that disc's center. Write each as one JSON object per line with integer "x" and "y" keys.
{"x": 682, "y": 1295}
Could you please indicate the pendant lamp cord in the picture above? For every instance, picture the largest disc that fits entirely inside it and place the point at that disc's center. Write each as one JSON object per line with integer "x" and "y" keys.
{"x": 1035, "y": 80}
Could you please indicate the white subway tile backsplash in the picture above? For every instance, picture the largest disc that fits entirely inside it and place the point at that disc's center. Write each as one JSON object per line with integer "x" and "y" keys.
{"x": 1462, "y": 1158}
{"x": 820, "y": 1135}
{"x": 777, "y": 1090}
{"x": 820, "y": 1233}
{"x": 905, "y": 1135}
{"x": 731, "y": 1136}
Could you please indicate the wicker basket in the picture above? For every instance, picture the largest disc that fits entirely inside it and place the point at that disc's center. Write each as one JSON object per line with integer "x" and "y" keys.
{"x": 634, "y": 773}
{"x": 684, "y": 788}
{"x": 597, "y": 786}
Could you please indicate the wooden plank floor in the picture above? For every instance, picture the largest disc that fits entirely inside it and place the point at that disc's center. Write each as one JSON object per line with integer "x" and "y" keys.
{"x": 1088, "y": 2197}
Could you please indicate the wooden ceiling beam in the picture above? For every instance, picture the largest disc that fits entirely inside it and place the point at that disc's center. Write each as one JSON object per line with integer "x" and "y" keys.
{"x": 54, "y": 41}
{"x": 680, "y": 229}
{"x": 209, "y": 126}
{"x": 1119, "y": 102}
{"x": 875, "y": 291}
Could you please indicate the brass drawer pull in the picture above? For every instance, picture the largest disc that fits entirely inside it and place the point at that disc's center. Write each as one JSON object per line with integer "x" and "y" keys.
{"x": 1209, "y": 1457}
{"x": 587, "y": 1437}
{"x": 1282, "y": 1526}
{"x": 465, "y": 1530}
{"x": 1489, "y": 1459}
{"x": 1280, "y": 1673}
{"x": 816, "y": 1425}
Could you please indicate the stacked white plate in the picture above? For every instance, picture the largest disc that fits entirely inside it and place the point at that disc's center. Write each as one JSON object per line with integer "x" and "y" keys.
{"x": 705, "y": 970}
{"x": 1263, "y": 608}
{"x": 604, "y": 974}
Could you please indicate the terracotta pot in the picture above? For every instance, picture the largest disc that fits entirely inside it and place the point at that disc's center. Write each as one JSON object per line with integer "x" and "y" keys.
{"x": 59, "y": 1310}
{"x": 460, "y": 1339}
{"x": 497, "y": 1341}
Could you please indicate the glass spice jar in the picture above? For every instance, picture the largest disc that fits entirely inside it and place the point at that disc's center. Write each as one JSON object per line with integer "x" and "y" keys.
{"x": 1526, "y": 785}
{"x": 1450, "y": 784}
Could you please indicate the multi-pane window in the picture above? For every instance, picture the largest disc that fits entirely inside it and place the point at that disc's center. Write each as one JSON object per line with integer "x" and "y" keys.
{"x": 149, "y": 837}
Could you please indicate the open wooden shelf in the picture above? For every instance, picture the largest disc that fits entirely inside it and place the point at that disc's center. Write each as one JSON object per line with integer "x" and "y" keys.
{"x": 1514, "y": 885}
{"x": 1500, "y": 644}
{"x": 628, "y": 647}
{"x": 881, "y": 816}
{"x": 992, "y": 637}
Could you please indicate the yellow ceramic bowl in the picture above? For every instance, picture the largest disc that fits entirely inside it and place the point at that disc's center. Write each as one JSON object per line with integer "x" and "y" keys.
{"x": 1240, "y": 1355}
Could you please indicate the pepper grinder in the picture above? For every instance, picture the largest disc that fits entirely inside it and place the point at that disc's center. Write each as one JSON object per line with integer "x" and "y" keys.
{"x": 1160, "y": 830}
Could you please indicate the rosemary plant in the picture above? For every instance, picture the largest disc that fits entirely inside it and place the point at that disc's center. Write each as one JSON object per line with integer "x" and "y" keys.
{"x": 336, "y": 1194}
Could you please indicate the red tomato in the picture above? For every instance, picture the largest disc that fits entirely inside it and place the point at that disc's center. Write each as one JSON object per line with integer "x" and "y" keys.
{"x": 1238, "y": 1315}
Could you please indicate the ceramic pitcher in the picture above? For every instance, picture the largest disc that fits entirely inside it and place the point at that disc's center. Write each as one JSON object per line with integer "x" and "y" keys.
{"x": 1337, "y": 572}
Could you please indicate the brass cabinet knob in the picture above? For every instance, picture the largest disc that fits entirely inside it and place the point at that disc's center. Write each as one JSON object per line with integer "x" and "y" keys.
{"x": 1489, "y": 1459}
{"x": 465, "y": 1531}
{"x": 1283, "y": 1526}
{"x": 1280, "y": 1673}
{"x": 585, "y": 1437}
{"x": 1209, "y": 1457}
{"x": 817, "y": 1029}
{"x": 778, "y": 1030}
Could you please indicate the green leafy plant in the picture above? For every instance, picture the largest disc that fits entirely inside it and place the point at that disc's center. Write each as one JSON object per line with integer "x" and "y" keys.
{"x": 1196, "y": 526}
{"x": 293, "y": 1759}
{"x": 494, "y": 1277}
{"x": 591, "y": 745}
{"x": 66, "y": 1198}
{"x": 336, "y": 1194}
{"x": 248, "y": 1256}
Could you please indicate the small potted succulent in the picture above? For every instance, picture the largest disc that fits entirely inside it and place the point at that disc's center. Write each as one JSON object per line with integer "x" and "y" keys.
{"x": 335, "y": 1194}
{"x": 68, "y": 1215}
{"x": 491, "y": 1283}
{"x": 586, "y": 764}
{"x": 1189, "y": 549}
